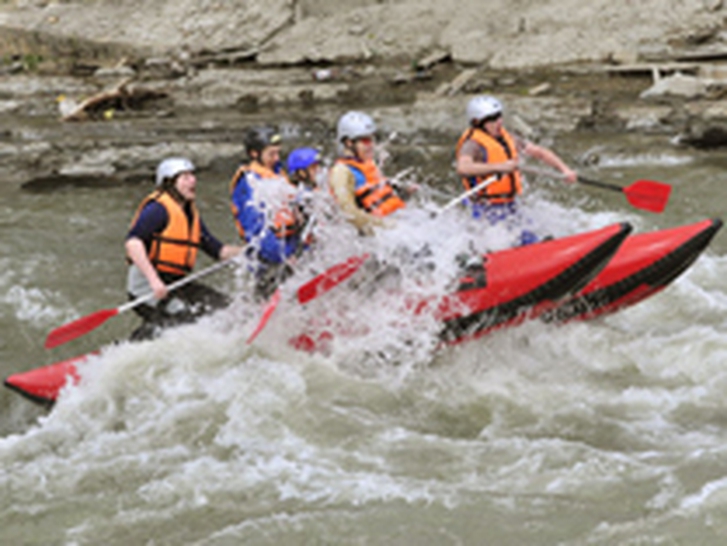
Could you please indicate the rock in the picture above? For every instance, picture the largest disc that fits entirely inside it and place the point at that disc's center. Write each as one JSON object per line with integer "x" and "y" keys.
{"x": 707, "y": 125}
{"x": 115, "y": 72}
{"x": 539, "y": 89}
{"x": 456, "y": 85}
{"x": 650, "y": 119}
{"x": 288, "y": 32}
{"x": 8, "y": 106}
{"x": 678, "y": 85}
{"x": 712, "y": 5}
{"x": 434, "y": 58}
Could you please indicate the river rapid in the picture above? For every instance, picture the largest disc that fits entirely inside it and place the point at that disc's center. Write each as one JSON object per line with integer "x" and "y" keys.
{"x": 612, "y": 431}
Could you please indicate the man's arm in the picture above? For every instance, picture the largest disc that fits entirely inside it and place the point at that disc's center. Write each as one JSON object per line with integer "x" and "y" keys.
{"x": 471, "y": 163}
{"x": 550, "y": 158}
{"x": 212, "y": 246}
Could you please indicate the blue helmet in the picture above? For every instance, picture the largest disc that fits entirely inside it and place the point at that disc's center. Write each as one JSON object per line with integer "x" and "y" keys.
{"x": 302, "y": 158}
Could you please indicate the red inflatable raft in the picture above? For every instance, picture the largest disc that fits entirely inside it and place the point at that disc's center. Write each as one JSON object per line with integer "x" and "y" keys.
{"x": 571, "y": 278}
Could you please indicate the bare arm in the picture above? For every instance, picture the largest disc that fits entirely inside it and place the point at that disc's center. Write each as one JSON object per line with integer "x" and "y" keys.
{"x": 137, "y": 254}
{"x": 468, "y": 164}
{"x": 550, "y": 158}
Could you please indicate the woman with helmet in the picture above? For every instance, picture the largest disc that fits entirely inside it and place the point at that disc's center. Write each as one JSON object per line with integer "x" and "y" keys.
{"x": 362, "y": 192}
{"x": 486, "y": 150}
{"x": 161, "y": 247}
{"x": 261, "y": 201}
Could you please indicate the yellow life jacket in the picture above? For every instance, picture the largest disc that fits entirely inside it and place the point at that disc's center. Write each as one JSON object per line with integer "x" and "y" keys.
{"x": 373, "y": 192}
{"x": 174, "y": 250}
{"x": 508, "y": 185}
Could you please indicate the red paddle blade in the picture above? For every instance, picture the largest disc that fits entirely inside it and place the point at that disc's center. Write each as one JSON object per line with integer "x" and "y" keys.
{"x": 77, "y": 328}
{"x": 648, "y": 195}
{"x": 331, "y": 277}
{"x": 267, "y": 313}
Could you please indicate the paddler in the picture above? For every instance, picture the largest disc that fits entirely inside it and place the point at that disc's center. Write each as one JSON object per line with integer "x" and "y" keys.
{"x": 304, "y": 167}
{"x": 161, "y": 247}
{"x": 486, "y": 150}
{"x": 363, "y": 194}
{"x": 266, "y": 214}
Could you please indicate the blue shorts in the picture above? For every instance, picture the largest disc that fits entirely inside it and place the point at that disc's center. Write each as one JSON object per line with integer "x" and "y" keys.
{"x": 505, "y": 212}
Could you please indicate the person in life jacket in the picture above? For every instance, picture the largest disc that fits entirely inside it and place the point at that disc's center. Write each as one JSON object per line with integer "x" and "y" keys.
{"x": 486, "y": 151}
{"x": 262, "y": 200}
{"x": 363, "y": 194}
{"x": 161, "y": 248}
{"x": 304, "y": 167}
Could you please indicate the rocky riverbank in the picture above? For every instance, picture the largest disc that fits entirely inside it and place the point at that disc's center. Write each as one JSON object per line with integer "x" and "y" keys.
{"x": 135, "y": 81}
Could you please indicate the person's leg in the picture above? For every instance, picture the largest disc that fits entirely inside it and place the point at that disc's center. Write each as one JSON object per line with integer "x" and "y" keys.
{"x": 269, "y": 277}
{"x": 184, "y": 305}
{"x": 152, "y": 322}
{"x": 193, "y": 300}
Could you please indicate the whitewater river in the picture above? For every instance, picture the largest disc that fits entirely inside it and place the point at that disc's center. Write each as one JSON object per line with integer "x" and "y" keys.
{"x": 607, "y": 432}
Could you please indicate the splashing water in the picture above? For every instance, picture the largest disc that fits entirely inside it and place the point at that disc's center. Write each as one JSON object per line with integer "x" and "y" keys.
{"x": 600, "y": 432}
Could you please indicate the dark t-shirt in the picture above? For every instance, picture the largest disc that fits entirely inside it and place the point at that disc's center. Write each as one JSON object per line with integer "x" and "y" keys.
{"x": 153, "y": 219}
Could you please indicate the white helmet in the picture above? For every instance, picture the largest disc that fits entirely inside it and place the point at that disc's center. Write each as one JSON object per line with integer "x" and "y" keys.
{"x": 354, "y": 125}
{"x": 482, "y": 107}
{"x": 171, "y": 167}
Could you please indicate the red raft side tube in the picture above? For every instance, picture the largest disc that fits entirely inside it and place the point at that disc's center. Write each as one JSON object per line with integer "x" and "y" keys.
{"x": 506, "y": 287}
{"x": 519, "y": 283}
{"x": 645, "y": 264}
{"x": 42, "y": 385}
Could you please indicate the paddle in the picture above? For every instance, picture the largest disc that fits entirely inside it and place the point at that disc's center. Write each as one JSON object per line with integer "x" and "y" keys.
{"x": 274, "y": 300}
{"x": 341, "y": 272}
{"x": 642, "y": 194}
{"x": 331, "y": 277}
{"x": 317, "y": 286}
{"x": 267, "y": 313}
{"x": 82, "y": 326}
{"x": 457, "y": 200}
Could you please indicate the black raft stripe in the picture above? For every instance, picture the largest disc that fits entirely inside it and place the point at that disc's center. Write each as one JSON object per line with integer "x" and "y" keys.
{"x": 571, "y": 279}
{"x": 657, "y": 275}
{"x": 41, "y": 400}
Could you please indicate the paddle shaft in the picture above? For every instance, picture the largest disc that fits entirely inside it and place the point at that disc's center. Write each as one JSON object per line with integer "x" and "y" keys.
{"x": 599, "y": 184}
{"x": 82, "y": 326}
{"x": 581, "y": 179}
{"x": 176, "y": 284}
{"x": 457, "y": 200}
{"x": 648, "y": 195}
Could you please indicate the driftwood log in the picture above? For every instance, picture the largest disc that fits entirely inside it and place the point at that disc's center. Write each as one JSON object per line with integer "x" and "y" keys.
{"x": 122, "y": 96}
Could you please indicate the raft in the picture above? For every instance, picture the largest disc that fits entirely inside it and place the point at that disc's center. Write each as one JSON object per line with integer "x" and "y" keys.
{"x": 578, "y": 277}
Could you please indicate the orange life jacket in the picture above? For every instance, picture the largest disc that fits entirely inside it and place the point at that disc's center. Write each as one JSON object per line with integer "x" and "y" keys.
{"x": 284, "y": 223}
{"x": 174, "y": 250}
{"x": 508, "y": 185}
{"x": 373, "y": 192}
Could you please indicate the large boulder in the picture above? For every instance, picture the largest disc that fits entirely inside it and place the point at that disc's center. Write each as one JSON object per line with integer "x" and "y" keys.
{"x": 505, "y": 34}
{"x": 158, "y": 27}
{"x": 501, "y": 33}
